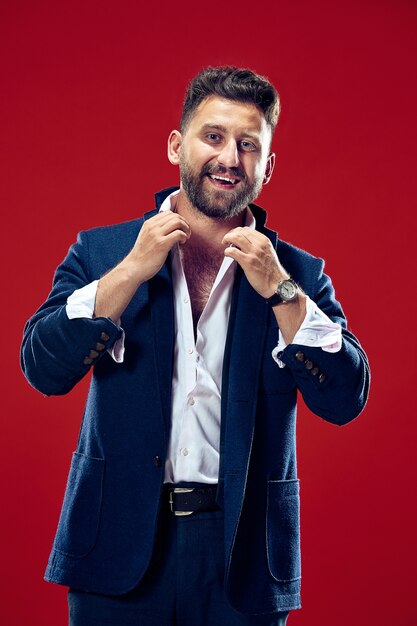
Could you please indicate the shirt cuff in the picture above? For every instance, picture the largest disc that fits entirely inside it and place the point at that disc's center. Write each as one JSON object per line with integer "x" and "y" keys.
{"x": 81, "y": 304}
{"x": 316, "y": 331}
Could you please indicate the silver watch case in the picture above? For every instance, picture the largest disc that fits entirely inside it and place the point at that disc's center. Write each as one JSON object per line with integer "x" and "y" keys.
{"x": 286, "y": 291}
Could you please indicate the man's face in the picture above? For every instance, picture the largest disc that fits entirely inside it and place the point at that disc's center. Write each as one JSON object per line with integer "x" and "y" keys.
{"x": 224, "y": 157}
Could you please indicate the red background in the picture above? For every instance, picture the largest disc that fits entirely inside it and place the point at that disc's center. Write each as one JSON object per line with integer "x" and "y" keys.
{"x": 90, "y": 92}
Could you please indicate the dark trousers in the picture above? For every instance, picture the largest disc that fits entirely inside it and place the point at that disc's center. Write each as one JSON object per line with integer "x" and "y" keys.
{"x": 183, "y": 586}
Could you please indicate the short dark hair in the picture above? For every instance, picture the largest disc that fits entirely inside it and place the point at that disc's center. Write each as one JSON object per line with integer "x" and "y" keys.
{"x": 232, "y": 83}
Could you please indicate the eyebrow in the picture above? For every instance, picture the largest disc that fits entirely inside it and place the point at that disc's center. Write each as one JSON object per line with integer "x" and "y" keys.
{"x": 223, "y": 129}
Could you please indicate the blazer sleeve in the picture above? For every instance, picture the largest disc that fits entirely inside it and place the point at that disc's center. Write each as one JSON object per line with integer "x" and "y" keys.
{"x": 335, "y": 386}
{"x": 56, "y": 351}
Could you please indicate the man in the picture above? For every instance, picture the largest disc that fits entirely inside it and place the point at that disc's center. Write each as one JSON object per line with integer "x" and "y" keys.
{"x": 182, "y": 502}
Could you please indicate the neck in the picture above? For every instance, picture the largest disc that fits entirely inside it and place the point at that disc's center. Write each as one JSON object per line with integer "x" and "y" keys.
{"x": 206, "y": 231}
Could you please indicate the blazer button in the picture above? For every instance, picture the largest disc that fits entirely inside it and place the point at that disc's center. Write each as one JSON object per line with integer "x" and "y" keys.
{"x": 93, "y": 354}
{"x": 100, "y": 346}
{"x": 322, "y": 377}
{"x": 104, "y": 336}
{"x": 309, "y": 364}
{"x": 87, "y": 360}
{"x": 300, "y": 356}
{"x": 315, "y": 370}
{"x": 157, "y": 461}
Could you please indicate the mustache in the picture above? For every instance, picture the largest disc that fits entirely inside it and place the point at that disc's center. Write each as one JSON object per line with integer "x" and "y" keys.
{"x": 224, "y": 171}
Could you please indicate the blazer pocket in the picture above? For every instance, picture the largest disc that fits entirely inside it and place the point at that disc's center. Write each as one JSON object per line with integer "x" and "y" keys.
{"x": 80, "y": 515}
{"x": 283, "y": 530}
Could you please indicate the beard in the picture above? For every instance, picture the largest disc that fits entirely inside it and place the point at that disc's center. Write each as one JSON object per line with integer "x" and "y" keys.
{"x": 213, "y": 202}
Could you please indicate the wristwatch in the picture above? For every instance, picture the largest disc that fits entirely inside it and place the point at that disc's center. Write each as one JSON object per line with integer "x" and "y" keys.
{"x": 286, "y": 291}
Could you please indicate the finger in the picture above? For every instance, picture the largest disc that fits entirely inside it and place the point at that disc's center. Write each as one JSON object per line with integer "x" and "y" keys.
{"x": 176, "y": 222}
{"x": 239, "y": 239}
{"x": 165, "y": 217}
{"x": 253, "y": 236}
{"x": 240, "y": 230}
{"x": 176, "y": 236}
{"x": 175, "y": 225}
{"x": 236, "y": 254}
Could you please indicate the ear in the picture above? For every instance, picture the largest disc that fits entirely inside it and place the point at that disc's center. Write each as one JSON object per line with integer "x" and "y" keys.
{"x": 174, "y": 147}
{"x": 270, "y": 164}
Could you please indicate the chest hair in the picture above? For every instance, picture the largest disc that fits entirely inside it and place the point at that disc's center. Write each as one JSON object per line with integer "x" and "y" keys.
{"x": 201, "y": 266}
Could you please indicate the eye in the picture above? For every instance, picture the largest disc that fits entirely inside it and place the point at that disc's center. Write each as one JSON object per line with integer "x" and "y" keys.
{"x": 247, "y": 146}
{"x": 213, "y": 137}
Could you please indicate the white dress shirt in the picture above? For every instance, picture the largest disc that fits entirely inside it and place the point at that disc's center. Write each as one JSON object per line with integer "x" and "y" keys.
{"x": 193, "y": 452}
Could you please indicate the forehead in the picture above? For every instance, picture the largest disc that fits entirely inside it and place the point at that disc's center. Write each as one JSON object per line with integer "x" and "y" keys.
{"x": 234, "y": 116}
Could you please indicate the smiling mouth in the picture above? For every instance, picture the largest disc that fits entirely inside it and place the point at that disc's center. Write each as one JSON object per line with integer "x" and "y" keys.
{"x": 223, "y": 181}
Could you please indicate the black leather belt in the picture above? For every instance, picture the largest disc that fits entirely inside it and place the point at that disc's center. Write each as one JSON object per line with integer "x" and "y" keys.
{"x": 188, "y": 500}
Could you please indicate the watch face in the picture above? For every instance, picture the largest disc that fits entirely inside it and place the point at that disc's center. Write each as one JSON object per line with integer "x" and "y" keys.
{"x": 287, "y": 290}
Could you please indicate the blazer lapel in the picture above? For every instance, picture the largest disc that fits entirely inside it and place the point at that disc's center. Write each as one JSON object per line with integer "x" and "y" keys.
{"x": 241, "y": 371}
{"x": 162, "y": 313}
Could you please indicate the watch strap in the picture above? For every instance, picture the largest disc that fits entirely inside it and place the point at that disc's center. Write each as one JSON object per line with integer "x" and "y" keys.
{"x": 274, "y": 299}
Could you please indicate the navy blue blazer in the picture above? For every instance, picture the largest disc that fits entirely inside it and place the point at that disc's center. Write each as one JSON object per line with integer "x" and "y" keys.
{"x": 107, "y": 526}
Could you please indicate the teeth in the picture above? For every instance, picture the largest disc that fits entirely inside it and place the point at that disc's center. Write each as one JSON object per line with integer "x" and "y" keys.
{"x": 228, "y": 180}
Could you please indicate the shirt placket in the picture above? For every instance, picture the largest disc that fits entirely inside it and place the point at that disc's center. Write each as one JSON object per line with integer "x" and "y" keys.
{"x": 190, "y": 357}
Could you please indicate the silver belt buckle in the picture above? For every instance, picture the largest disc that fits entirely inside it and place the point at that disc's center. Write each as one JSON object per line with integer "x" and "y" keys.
{"x": 171, "y": 500}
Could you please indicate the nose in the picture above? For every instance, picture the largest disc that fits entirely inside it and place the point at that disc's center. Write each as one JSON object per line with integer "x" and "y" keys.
{"x": 229, "y": 156}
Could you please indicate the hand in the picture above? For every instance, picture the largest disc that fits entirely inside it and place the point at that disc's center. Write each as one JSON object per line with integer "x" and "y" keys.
{"x": 256, "y": 255}
{"x": 156, "y": 238}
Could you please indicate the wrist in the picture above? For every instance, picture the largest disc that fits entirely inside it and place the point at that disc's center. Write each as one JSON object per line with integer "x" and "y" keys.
{"x": 130, "y": 270}
{"x": 291, "y": 316}
{"x": 272, "y": 284}
{"x": 298, "y": 303}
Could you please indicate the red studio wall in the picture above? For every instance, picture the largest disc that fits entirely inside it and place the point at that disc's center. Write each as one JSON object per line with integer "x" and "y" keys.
{"x": 90, "y": 91}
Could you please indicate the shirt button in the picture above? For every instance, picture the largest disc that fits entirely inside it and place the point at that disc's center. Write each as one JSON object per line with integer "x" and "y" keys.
{"x": 190, "y": 350}
{"x": 184, "y": 452}
{"x": 191, "y": 401}
{"x": 186, "y": 300}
